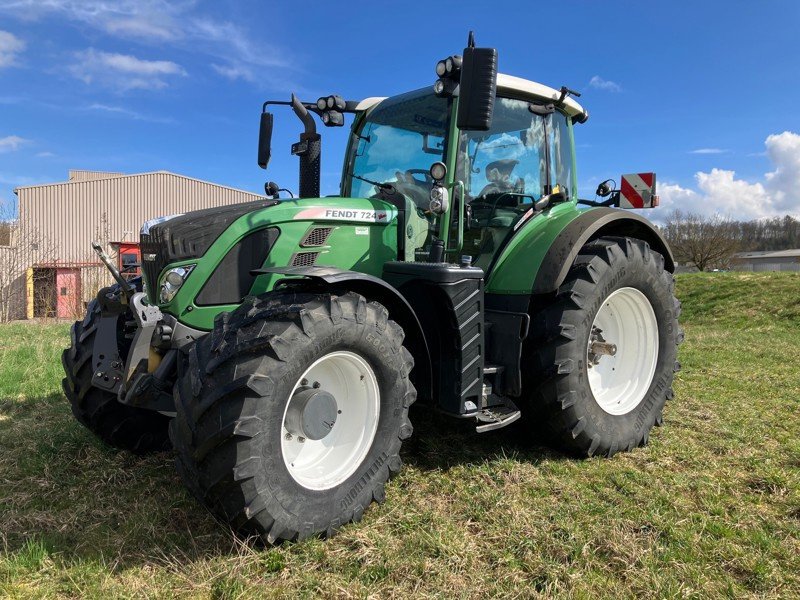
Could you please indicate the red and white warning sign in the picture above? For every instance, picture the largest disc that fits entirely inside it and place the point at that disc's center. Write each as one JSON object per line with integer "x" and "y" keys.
{"x": 638, "y": 190}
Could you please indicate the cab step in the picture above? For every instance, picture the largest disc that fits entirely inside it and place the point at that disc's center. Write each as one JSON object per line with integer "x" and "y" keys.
{"x": 497, "y": 416}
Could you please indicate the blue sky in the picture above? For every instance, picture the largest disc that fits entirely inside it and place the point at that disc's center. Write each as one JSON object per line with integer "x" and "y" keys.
{"x": 704, "y": 93}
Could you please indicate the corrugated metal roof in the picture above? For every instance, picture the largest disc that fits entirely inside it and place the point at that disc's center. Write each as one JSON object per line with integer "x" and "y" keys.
{"x": 794, "y": 252}
{"x": 83, "y": 175}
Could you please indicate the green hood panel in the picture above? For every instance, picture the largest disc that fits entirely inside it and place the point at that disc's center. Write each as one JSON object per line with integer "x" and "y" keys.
{"x": 362, "y": 237}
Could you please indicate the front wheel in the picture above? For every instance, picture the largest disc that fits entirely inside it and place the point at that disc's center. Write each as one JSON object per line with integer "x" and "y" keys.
{"x": 291, "y": 413}
{"x": 603, "y": 354}
{"x": 118, "y": 425}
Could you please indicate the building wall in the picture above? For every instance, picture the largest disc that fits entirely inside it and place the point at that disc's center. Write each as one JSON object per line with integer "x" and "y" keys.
{"x": 789, "y": 264}
{"x": 59, "y": 221}
{"x": 69, "y": 216}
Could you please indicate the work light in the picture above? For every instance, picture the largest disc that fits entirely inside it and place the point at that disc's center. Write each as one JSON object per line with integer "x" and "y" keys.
{"x": 333, "y": 118}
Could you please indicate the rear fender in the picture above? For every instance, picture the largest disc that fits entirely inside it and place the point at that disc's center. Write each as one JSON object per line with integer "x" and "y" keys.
{"x": 539, "y": 255}
{"x": 316, "y": 278}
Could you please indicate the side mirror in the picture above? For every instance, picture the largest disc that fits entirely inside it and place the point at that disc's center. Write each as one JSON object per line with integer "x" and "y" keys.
{"x": 265, "y": 140}
{"x": 477, "y": 89}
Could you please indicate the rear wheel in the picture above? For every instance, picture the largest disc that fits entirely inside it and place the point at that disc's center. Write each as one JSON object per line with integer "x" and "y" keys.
{"x": 117, "y": 424}
{"x": 291, "y": 413}
{"x": 602, "y": 356}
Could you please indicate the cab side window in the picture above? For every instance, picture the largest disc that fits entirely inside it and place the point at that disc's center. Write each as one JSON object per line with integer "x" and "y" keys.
{"x": 505, "y": 170}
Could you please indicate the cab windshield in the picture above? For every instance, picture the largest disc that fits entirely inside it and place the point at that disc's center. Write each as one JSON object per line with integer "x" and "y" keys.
{"x": 397, "y": 143}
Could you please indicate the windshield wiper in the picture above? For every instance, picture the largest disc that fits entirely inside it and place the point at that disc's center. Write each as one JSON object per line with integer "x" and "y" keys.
{"x": 383, "y": 186}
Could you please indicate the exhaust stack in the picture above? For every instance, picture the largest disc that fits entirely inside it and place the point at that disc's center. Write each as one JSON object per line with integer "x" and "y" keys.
{"x": 309, "y": 149}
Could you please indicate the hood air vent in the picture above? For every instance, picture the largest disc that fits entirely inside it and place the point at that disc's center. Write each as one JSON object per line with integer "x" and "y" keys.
{"x": 304, "y": 259}
{"x": 316, "y": 237}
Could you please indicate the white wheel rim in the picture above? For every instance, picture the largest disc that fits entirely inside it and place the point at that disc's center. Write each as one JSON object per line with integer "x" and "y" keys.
{"x": 327, "y": 462}
{"x": 620, "y": 382}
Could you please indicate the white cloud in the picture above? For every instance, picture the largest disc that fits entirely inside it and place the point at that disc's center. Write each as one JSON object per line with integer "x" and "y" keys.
{"x": 235, "y": 54}
{"x": 126, "y": 112}
{"x": 599, "y": 83}
{"x": 10, "y": 47}
{"x": 11, "y": 143}
{"x": 719, "y": 190}
{"x": 45, "y": 154}
{"x": 708, "y": 151}
{"x": 123, "y": 72}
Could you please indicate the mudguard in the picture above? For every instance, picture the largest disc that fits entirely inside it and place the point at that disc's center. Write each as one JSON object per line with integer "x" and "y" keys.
{"x": 373, "y": 288}
{"x": 538, "y": 256}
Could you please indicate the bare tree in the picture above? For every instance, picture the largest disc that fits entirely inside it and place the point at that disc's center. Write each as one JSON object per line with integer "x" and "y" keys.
{"x": 706, "y": 242}
{"x": 25, "y": 247}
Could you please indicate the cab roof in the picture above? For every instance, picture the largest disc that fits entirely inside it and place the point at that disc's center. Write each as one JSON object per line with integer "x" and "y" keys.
{"x": 513, "y": 86}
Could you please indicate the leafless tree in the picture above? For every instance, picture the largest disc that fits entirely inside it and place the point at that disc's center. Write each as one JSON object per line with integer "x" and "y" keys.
{"x": 25, "y": 247}
{"x": 706, "y": 242}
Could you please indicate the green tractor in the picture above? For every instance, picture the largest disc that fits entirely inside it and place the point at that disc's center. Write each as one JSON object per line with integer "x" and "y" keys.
{"x": 278, "y": 345}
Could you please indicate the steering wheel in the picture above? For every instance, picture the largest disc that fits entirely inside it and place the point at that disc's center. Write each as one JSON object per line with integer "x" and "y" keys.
{"x": 428, "y": 180}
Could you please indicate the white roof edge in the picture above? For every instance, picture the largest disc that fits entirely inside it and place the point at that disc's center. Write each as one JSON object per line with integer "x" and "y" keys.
{"x": 506, "y": 84}
{"x": 509, "y": 83}
{"x": 368, "y": 103}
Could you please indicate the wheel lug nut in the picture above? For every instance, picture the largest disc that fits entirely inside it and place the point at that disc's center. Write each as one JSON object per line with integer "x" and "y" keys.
{"x": 288, "y": 437}
{"x": 316, "y": 385}
{"x": 301, "y": 439}
{"x": 304, "y": 382}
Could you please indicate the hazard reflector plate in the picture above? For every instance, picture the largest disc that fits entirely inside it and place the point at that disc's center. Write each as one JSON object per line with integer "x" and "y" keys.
{"x": 637, "y": 190}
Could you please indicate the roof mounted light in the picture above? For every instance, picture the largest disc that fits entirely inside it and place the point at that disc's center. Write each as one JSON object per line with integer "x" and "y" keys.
{"x": 332, "y": 118}
{"x": 445, "y": 87}
{"x": 449, "y": 67}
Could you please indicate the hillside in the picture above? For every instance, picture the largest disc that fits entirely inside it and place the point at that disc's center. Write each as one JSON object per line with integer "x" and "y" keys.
{"x": 710, "y": 508}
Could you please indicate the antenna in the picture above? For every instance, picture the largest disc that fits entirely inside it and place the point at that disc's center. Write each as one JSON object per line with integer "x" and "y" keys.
{"x": 471, "y": 40}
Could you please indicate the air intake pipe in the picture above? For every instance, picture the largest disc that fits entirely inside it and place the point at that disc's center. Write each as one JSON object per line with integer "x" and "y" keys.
{"x": 309, "y": 149}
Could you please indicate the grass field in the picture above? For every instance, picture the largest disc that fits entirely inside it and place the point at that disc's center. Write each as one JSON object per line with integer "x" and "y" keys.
{"x": 711, "y": 508}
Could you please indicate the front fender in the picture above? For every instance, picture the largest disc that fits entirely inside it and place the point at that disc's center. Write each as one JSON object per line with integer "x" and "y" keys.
{"x": 372, "y": 288}
{"x": 537, "y": 258}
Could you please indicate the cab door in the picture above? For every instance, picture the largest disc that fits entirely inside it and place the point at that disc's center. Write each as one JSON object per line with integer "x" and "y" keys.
{"x": 525, "y": 155}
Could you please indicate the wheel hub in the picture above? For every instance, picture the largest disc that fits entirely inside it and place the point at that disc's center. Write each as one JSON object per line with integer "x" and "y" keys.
{"x": 311, "y": 413}
{"x": 599, "y": 347}
{"x": 330, "y": 420}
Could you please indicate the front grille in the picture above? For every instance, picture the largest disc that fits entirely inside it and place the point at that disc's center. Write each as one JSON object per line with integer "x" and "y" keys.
{"x": 153, "y": 260}
{"x": 316, "y": 237}
{"x": 304, "y": 259}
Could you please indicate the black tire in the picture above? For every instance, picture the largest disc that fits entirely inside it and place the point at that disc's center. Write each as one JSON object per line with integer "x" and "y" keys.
{"x": 231, "y": 402}
{"x": 560, "y": 404}
{"x": 125, "y": 427}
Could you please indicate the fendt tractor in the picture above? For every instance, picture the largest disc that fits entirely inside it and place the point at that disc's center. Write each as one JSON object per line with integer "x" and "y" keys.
{"x": 277, "y": 345}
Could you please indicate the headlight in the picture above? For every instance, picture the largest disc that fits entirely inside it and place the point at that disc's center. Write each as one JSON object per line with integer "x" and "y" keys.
{"x": 172, "y": 282}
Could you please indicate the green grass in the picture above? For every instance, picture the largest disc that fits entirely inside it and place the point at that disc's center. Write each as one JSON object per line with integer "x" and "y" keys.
{"x": 711, "y": 508}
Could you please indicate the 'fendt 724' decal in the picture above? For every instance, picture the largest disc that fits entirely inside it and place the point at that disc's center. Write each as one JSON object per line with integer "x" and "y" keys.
{"x": 346, "y": 214}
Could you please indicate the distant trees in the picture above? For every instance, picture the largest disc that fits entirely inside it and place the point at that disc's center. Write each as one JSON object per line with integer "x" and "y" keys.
{"x": 711, "y": 242}
{"x": 778, "y": 233}
{"x": 706, "y": 242}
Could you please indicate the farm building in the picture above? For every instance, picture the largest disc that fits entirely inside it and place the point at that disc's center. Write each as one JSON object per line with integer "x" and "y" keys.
{"x": 776, "y": 260}
{"x": 48, "y": 266}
